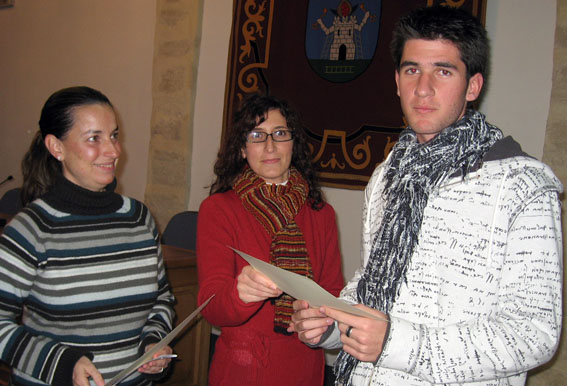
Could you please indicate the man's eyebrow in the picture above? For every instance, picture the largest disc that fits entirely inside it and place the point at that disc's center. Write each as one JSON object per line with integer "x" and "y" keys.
{"x": 445, "y": 64}
{"x": 407, "y": 63}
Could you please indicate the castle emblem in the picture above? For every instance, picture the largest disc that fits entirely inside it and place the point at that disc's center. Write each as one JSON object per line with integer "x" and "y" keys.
{"x": 340, "y": 42}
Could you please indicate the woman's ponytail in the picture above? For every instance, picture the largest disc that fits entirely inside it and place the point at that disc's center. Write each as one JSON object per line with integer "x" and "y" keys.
{"x": 39, "y": 170}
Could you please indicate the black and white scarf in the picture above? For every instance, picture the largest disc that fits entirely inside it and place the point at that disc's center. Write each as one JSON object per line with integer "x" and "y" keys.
{"x": 414, "y": 171}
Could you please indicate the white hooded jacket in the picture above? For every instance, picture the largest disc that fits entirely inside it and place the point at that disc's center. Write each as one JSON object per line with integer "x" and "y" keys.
{"x": 482, "y": 300}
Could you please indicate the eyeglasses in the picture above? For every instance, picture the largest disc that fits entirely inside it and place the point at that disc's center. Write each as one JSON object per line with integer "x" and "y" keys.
{"x": 257, "y": 136}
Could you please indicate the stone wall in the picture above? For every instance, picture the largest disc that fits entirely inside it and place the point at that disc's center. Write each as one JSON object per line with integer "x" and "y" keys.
{"x": 176, "y": 56}
{"x": 554, "y": 154}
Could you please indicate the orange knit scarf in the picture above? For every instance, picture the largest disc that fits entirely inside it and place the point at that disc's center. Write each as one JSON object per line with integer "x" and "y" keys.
{"x": 275, "y": 207}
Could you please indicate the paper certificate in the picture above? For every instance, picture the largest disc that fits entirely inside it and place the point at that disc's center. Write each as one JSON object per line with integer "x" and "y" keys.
{"x": 161, "y": 344}
{"x": 301, "y": 287}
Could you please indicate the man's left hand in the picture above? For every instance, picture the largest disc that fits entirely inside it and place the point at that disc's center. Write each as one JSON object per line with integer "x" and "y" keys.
{"x": 366, "y": 335}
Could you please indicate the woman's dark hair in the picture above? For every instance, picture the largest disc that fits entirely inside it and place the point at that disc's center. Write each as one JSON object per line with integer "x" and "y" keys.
{"x": 253, "y": 111}
{"x": 39, "y": 168}
{"x": 445, "y": 23}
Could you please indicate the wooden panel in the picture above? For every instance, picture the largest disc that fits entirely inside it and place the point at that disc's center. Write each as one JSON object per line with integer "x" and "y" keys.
{"x": 192, "y": 347}
{"x": 4, "y": 374}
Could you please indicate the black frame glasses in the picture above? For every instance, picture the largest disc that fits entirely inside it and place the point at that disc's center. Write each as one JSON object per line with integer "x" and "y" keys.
{"x": 264, "y": 136}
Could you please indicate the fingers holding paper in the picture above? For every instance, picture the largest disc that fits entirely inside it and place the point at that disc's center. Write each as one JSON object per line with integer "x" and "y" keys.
{"x": 309, "y": 323}
{"x": 254, "y": 286}
{"x": 85, "y": 369}
{"x": 160, "y": 361}
{"x": 362, "y": 337}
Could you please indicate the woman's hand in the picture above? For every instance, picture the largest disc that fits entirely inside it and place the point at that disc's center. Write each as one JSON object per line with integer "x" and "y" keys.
{"x": 156, "y": 366}
{"x": 309, "y": 323}
{"x": 254, "y": 286}
{"x": 84, "y": 369}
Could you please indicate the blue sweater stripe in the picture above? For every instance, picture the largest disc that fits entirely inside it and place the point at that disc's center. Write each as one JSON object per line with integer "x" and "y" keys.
{"x": 91, "y": 284}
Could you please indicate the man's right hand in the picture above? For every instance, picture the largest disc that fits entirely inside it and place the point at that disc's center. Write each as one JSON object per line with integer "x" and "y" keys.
{"x": 84, "y": 369}
{"x": 309, "y": 323}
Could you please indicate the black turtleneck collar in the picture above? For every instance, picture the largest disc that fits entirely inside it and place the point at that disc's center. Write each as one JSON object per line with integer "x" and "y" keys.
{"x": 70, "y": 198}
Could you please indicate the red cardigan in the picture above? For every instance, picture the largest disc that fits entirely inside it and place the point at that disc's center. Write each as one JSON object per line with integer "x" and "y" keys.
{"x": 249, "y": 352}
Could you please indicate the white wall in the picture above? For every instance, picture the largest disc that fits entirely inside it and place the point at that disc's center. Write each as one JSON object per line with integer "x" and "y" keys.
{"x": 46, "y": 45}
{"x": 522, "y": 36}
{"x": 209, "y": 100}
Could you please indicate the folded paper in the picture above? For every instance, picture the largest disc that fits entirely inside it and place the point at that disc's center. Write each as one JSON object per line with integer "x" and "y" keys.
{"x": 301, "y": 287}
{"x": 161, "y": 344}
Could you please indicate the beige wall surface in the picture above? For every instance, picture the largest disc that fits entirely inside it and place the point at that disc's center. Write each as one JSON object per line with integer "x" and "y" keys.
{"x": 46, "y": 45}
{"x": 555, "y": 372}
{"x": 519, "y": 85}
{"x": 176, "y": 59}
{"x": 209, "y": 100}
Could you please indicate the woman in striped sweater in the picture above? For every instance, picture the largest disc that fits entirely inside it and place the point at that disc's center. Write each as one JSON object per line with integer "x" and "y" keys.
{"x": 83, "y": 289}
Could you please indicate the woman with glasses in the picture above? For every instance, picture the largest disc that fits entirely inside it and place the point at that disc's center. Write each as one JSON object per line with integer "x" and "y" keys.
{"x": 266, "y": 202}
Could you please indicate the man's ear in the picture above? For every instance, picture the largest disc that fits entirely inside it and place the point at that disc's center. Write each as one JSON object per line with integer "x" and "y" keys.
{"x": 54, "y": 146}
{"x": 474, "y": 87}
{"x": 397, "y": 76}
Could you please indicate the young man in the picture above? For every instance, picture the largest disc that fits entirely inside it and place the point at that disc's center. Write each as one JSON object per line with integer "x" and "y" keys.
{"x": 461, "y": 234}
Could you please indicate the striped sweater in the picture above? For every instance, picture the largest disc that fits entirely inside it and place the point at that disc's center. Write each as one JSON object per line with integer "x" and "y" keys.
{"x": 81, "y": 274}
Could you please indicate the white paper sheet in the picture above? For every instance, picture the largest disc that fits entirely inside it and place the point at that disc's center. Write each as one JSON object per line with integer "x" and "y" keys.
{"x": 161, "y": 344}
{"x": 301, "y": 287}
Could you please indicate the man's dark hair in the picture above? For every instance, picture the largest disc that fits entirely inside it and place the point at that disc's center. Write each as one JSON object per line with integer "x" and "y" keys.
{"x": 445, "y": 23}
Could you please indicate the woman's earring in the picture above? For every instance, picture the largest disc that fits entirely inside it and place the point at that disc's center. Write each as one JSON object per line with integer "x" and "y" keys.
{"x": 58, "y": 158}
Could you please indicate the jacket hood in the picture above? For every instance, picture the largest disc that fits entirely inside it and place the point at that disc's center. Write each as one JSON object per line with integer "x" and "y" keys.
{"x": 507, "y": 147}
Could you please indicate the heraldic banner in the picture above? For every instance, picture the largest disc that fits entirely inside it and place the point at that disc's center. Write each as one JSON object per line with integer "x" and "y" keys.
{"x": 331, "y": 60}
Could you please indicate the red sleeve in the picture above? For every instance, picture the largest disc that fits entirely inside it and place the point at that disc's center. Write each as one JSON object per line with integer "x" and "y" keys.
{"x": 331, "y": 274}
{"x": 217, "y": 265}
